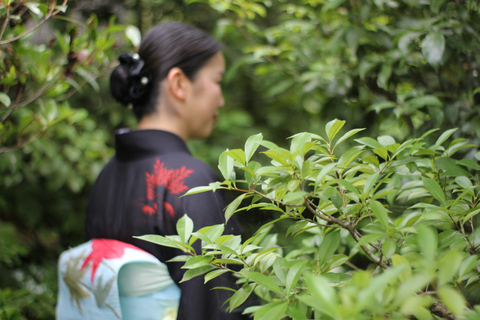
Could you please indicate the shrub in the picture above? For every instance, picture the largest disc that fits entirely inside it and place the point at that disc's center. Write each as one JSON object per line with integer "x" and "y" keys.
{"x": 383, "y": 230}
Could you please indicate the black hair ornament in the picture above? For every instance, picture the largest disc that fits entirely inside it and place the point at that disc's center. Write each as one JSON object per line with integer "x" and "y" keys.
{"x": 140, "y": 78}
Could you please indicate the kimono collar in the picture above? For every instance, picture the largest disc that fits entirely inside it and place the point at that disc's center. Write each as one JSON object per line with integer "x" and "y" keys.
{"x": 140, "y": 144}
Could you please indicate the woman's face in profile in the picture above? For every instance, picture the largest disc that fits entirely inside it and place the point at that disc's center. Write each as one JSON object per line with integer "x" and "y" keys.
{"x": 205, "y": 98}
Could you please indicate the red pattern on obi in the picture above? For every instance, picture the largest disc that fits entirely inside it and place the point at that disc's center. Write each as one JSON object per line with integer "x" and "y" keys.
{"x": 105, "y": 249}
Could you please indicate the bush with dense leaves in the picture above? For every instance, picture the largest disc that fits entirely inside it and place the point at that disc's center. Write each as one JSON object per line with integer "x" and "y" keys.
{"x": 386, "y": 229}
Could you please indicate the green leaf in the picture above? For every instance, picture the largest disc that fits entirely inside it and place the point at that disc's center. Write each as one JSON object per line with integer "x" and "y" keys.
{"x": 433, "y": 47}
{"x": 192, "y": 273}
{"x": 251, "y": 145}
{"x": 161, "y": 240}
{"x": 348, "y": 185}
{"x": 133, "y": 34}
{"x": 348, "y": 156}
{"x": 448, "y": 266}
{"x": 420, "y": 102}
{"x": 435, "y": 190}
{"x": 443, "y": 137}
{"x": 372, "y": 143}
{"x": 379, "y": 106}
{"x": 262, "y": 280}
{"x": 328, "y": 246}
{"x": 293, "y": 275}
{"x": 237, "y": 154}
{"x": 225, "y": 165}
{"x": 452, "y": 299}
{"x": 212, "y": 232}
{"x": 232, "y": 207}
{"x": 323, "y": 172}
{"x": 369, "y": 238}
{"x": 323, "y": 296}
{"x": 427, "y": 241}
{"x": 276, "y": 156}
{"x": 346, "y": 136}
{"x": 382, "y": 152}
{"x": 241, "y": 295}
{"x": 389, "y": 247}
{"x": 469, "y": 164}
{"x": 295, "y": 198}
{"x": 213, "y": 274}
{"x": 450, "y": 167}
{"x": 198, "y": 190}
{"x": 333, "y": 127}
{"x": 185, "y": 228}
{"x": 197, "y": 262}
{"x": 271, "y": 311}
{"x": 370, "y": 182}
{"x": 298, "y": 142}
{"x": 33, "y": 7}
{"x": 380, "y": 212}
{"x": 398, "y": 260}
{"x": 5, "y": 99}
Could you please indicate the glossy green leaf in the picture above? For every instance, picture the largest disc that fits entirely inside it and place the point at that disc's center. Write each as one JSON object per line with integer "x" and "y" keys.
{"x": 5, "y": 99}
{"x": 372, "y": 143}
{"x": 293, "y": 275}
{"x": 213, "y": 274}
{"x": 276, "y": 156}
{"x": 185, "y": 228}
{"x": 427, "y": 242}
{"x": 233, "y": 206}
{"x": 161, "y": 240}
{"x": 348, "y": 156}
{"x": 262, "y": 280}
{"x": 370, "y": 182}
{"x": 328, "y": 246}
{"x": 192, "y": 273}
{"x": 298, "y": 142}
{"x": 346, "y": 136}
{"x": 225, "y": 165}
{"x": 271, "y": 311}
{"x": 379, "y": 212}
{"x": 435, "y": 190}
{"x": 251, "y": 145}
{"x": 323, "y": 296}
{"x": 241, "y": 295}
{"x": 237, "y": 154}
{"x": 433, "y": 47}
{"x": 443, "y": 137}
{"x": 196, "y": 262}
{"x": 333, "y": 127}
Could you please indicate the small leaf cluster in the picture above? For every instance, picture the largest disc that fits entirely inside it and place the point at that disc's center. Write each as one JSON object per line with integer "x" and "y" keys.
{"x": 385, "y": 229}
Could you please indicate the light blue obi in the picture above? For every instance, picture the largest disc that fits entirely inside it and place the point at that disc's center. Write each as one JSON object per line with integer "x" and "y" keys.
{"x": 105, "y": 279}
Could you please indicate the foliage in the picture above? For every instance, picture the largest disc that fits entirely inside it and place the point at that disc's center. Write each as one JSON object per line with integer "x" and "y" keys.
{"x": 387, "y": 229}
{"x": 49, "y": 150}
{"x": 397, "y": 67}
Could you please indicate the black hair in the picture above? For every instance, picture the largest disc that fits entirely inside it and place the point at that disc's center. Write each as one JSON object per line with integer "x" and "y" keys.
{"x": 136, "y": 80}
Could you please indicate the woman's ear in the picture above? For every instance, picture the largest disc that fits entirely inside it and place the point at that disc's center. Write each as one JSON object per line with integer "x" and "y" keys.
{"x": 177, "y": 83}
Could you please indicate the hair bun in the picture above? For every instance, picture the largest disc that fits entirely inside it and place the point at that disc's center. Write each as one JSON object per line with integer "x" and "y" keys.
{"x": 130, "y": 82}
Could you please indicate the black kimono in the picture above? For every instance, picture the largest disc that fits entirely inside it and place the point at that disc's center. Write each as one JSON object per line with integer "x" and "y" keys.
{"x": 138, "y": 192}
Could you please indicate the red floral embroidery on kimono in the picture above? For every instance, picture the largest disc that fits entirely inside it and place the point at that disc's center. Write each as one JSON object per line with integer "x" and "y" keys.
{"x": 105, "y": 249}
{"x": 172, "y": 179}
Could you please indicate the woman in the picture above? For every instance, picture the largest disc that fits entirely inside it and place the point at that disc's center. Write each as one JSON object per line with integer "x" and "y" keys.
{"x": 173, "y": 85}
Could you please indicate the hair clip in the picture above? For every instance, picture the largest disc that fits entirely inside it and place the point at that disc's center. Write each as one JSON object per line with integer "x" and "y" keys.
{"x": 144, "y": 81}
{"x": 135, "y": 56}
